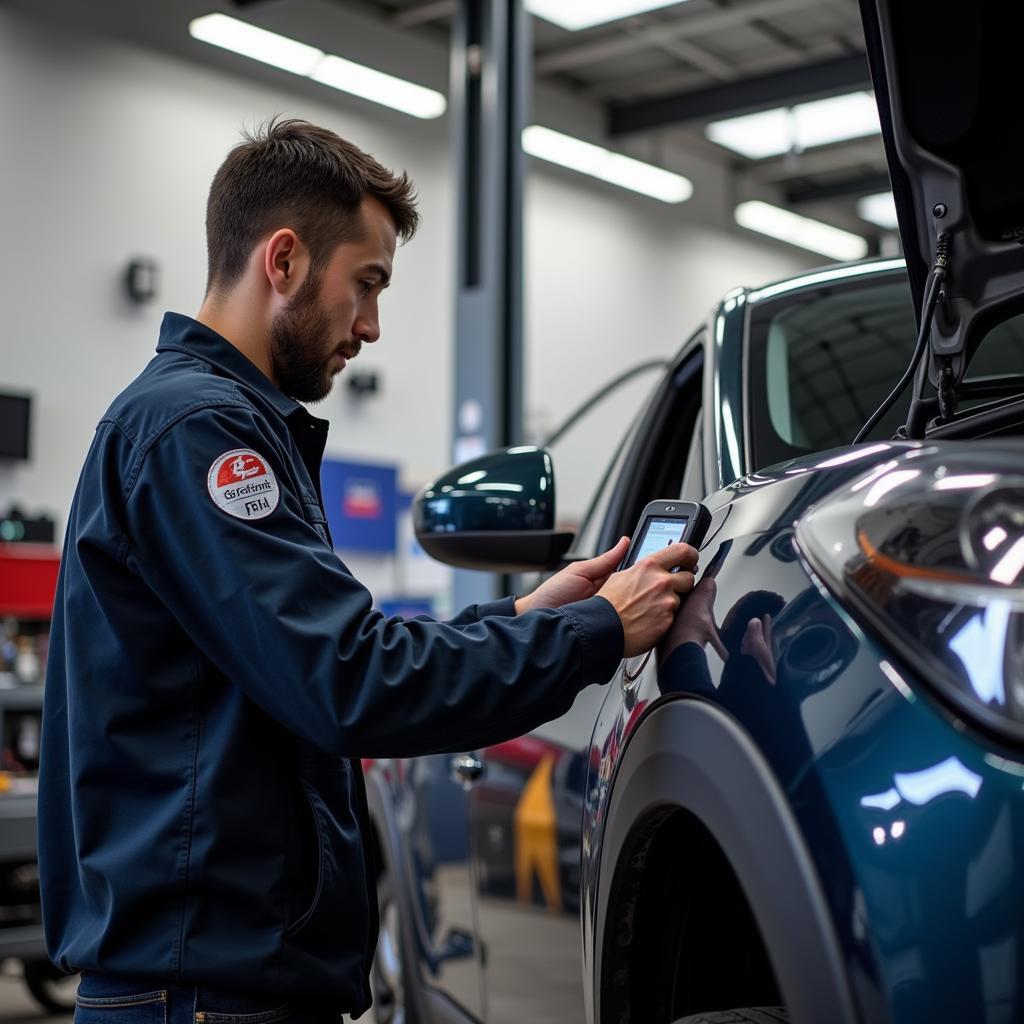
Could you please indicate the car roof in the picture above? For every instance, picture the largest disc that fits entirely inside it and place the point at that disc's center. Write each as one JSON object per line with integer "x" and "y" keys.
{"x": 826, "y": 275}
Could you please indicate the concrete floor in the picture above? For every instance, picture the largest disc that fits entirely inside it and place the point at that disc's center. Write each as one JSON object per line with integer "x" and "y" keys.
{"x": 18, "y": 1007}
{"x": 526, "y": 942}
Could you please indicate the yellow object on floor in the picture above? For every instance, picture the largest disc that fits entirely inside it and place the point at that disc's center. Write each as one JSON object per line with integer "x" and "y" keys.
{"x": 536, "y": 838}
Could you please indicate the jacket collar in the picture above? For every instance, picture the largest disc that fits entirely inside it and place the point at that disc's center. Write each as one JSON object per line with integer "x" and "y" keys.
{"x": 179, "y": 333}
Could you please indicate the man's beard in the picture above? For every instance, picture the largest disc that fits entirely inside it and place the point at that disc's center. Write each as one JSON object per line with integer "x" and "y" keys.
{"x": 300, "y": 345}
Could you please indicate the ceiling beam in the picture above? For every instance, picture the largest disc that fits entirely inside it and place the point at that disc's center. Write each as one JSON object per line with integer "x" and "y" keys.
{"x": 773, "y": 90}
{"x": 686, "y": 27}
{"x": 420, "y": 14}
{"x": 697, "y": 57}
{"x": 650, "y": 83}
{"x": 840, "y": 159}
{"x": 861, "y": 185}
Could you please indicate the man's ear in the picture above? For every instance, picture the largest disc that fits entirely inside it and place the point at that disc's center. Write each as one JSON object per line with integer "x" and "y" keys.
{"x": 285, "y": 261}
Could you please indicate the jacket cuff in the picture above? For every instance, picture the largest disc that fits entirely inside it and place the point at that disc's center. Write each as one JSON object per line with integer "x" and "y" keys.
{"x": 602, "y": 640}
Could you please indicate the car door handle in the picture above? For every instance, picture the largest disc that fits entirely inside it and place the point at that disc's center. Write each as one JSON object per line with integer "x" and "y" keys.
{"x": 466, "y": 768}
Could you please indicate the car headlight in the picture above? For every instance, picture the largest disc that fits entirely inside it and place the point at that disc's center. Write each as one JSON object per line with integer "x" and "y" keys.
{"x": 928, "y": 549}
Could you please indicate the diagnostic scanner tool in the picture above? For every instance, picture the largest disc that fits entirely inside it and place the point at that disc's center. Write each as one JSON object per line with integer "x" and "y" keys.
{"x": 667, "y": 522}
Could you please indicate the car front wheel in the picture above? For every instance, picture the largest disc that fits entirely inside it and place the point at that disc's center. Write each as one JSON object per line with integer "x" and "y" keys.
{"x": 751, "y": 1015}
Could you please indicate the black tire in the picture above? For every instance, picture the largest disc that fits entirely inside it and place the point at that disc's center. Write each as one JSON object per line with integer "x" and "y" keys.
{"x": 51, "y": 988}
{"x": 391, "y": 1003}
{"x": 751, "y": 1015}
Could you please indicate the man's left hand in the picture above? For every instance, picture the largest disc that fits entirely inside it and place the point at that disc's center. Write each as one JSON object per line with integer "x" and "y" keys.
{"x": 576, "y": 582}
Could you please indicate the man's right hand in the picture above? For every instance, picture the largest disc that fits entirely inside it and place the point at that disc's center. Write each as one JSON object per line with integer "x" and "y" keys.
{"x": 647, "y": 595}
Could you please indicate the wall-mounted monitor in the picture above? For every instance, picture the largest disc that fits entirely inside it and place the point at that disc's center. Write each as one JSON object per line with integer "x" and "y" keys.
{"x": 14, "y": 425}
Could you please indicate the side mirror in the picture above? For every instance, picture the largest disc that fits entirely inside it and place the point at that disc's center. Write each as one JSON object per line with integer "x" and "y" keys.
{"x": 496, "y": 513}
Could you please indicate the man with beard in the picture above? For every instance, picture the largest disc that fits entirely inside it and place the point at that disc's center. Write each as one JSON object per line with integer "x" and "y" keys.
{"x": 215, "y": 672}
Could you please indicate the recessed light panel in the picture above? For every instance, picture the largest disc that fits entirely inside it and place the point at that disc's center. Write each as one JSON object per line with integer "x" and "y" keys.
{"x": 257, "y": 43}
{"x": 604, "y": 164}
{"x": 309, "y": 62}
{"x": 579, "y": 14}
{"x": 378, "y": 87}
{"x": 794, "y": 129}
{"x": 879, "y": 209}
{"x": 802, "y": 231}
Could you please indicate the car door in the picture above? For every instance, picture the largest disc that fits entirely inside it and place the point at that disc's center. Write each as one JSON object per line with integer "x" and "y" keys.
{"x": 435, "y": 927}
{"x": 526, "y": 808}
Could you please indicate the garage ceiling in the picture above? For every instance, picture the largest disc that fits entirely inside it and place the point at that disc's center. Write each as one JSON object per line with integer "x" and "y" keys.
{"x": 663, "y": 76}
{"x": 651, "y": 83}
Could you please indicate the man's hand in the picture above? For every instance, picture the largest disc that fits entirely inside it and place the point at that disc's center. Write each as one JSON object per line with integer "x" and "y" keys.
{"x": 576, "y": 582}
{"x": 647, "y": 595}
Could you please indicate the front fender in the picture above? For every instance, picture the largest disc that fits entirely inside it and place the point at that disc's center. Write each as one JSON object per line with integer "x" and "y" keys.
{"x": 688, "y": 754}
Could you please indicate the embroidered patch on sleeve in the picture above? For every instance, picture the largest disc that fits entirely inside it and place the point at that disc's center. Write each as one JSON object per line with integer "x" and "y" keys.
{"x": 243, "y": 485}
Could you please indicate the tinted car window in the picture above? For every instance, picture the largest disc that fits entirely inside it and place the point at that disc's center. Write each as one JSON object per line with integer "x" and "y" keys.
{"x": 585, "y": 545}
{"x": 663, "y": 428}
{"x": 822, "y": 361}
{"x": 1001, "y": 351}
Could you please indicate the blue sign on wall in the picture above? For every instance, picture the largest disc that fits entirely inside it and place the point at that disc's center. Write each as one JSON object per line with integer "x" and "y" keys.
{"x": 361, "y": 504}
{"x": 406, "y": 607}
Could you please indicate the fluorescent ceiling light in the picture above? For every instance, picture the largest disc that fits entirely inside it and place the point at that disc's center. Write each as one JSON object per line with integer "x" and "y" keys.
{"x": 380, "y": 88}
{"x": 802, "y": 231}
{"x": 577, "y": 14}
{"x": 879, "y": 209}
{"x": 300, "y": 59}
{"x": 794, "y": 129}
{"x": 606, "y": 165}
{"x": 257, "y": 43}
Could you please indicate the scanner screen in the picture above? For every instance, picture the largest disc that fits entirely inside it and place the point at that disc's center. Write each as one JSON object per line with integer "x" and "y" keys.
{"x": 659, "y": 533}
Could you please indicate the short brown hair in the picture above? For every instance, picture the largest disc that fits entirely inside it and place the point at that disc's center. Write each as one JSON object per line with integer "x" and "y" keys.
{"x": 294, "y": 174}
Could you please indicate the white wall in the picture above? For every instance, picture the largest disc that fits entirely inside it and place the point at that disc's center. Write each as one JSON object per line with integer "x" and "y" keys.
{"x": 613, "y": 281}
{"x": 108, "y": 151}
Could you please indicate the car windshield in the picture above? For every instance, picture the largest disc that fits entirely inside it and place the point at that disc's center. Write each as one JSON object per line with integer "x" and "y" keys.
{"x": 821, "y": 361}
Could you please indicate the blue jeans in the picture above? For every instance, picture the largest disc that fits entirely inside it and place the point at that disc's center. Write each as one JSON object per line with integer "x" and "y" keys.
{"x": 103, "y": 999}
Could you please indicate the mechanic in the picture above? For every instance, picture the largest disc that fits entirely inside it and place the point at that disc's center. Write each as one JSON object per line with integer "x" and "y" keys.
{"x": 215, "y": 672}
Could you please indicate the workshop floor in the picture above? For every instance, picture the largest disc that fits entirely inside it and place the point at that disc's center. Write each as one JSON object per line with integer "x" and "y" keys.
{"x": 18, "y": 1007}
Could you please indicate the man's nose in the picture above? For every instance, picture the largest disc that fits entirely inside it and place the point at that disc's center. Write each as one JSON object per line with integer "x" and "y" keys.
{"x": 367, "y": 328}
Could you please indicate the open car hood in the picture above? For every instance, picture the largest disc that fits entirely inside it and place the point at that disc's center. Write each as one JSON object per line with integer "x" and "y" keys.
{"x": 949, "y": 83}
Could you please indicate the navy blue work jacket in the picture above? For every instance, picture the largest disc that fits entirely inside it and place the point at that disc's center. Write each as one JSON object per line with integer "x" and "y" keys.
{"x": 214, "y": 672}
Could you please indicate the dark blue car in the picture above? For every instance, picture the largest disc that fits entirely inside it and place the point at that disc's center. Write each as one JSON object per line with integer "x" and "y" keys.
{"x": 808, "y": 804}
